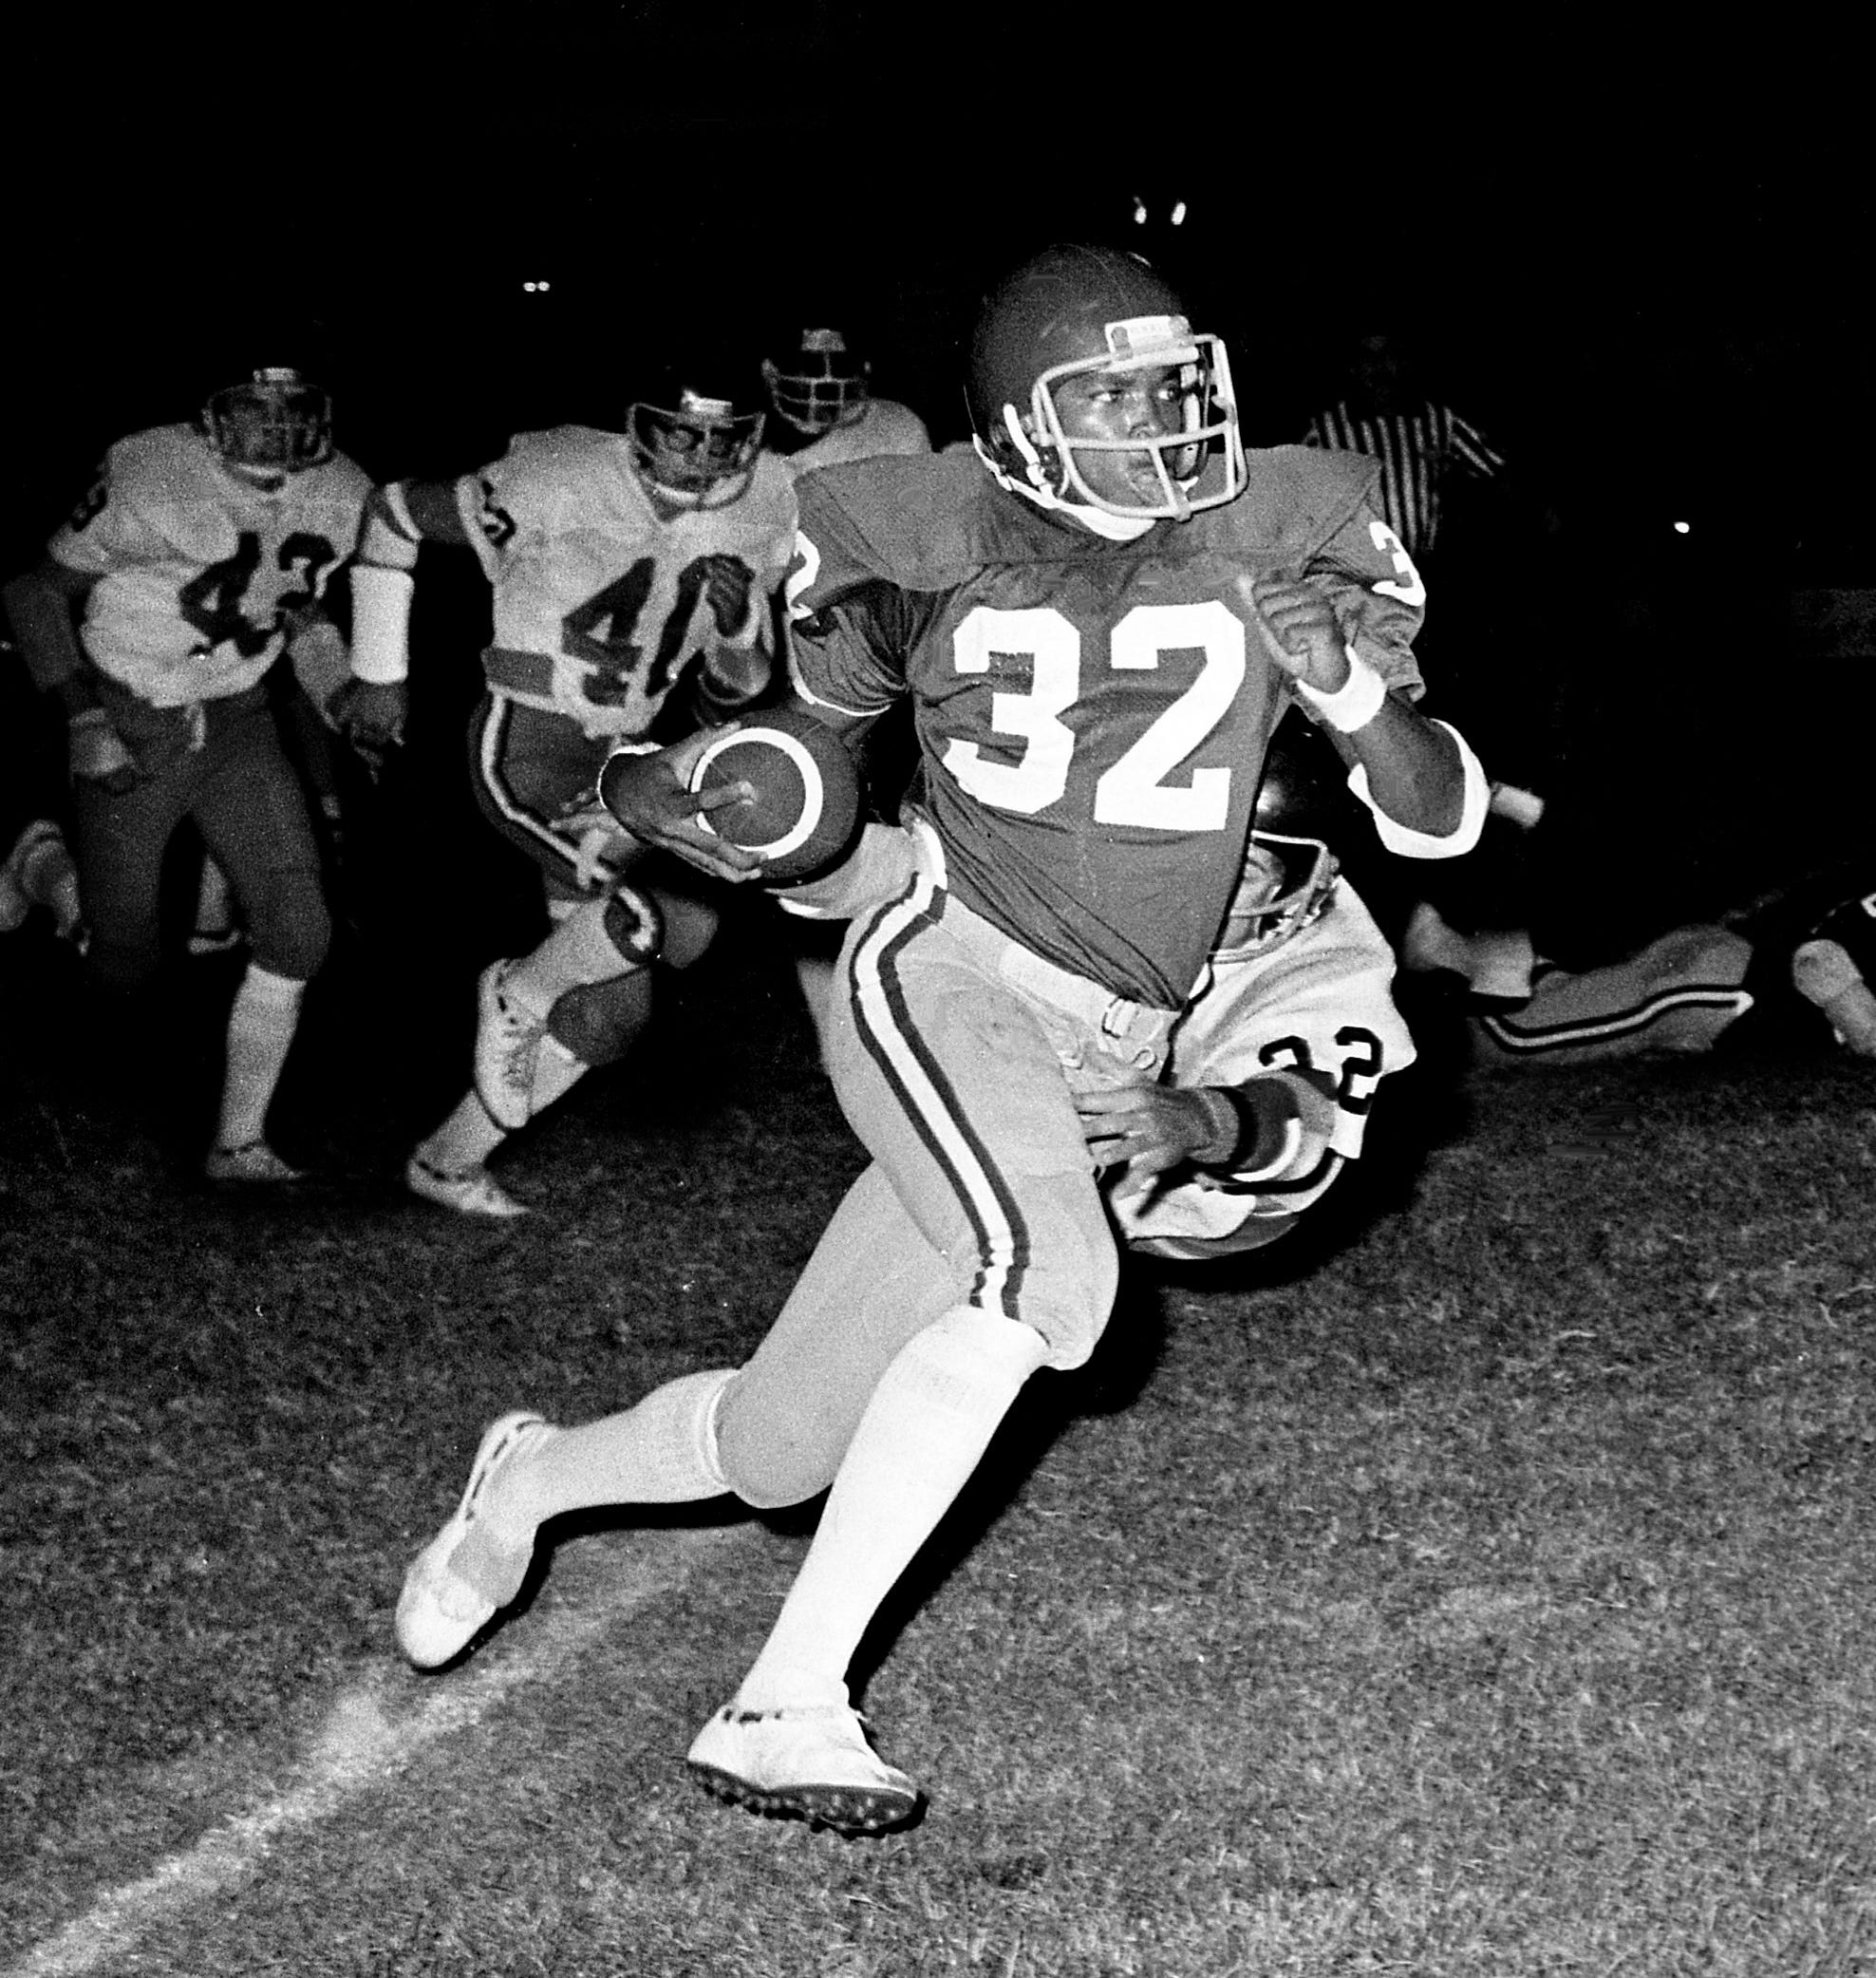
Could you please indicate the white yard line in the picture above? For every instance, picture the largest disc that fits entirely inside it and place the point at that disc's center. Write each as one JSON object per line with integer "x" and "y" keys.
{"x": 358, "y": 1749}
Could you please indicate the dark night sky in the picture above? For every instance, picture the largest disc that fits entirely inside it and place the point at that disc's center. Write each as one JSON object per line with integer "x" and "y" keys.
{"x": 1611, "y": 253}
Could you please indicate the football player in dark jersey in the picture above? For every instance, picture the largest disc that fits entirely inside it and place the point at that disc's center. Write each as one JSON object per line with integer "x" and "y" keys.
{"x": 1099, "y": 617}
{"x": 202, "y": 552}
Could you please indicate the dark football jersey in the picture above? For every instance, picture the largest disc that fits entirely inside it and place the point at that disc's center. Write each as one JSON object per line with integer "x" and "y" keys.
{"x": 1091, "y": 716}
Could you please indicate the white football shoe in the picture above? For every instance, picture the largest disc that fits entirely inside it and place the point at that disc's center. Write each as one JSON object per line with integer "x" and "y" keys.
{"x": 812, "y": 1763}
{"x": 471, "y": 1190}
{"x": 440, "y": 1613}
{"x": 253, "y": 1162}
{"x": 507, "y": 1046}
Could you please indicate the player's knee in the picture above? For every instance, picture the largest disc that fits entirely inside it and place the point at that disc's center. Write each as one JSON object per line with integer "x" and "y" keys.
{"x": 689, "y": 926}
{"x": 635, "y": 925}
{"x": 775, "y": 1450}
{"x": 289, "y": 924}
{"x": 600, "y": 1022}
{"x": 1067, "y": 1289}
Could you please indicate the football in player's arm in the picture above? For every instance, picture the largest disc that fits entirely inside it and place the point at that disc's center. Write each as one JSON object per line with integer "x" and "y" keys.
{"x": 161, "y": 607}
{"x": 1098, "y": 622}
{"x": 630, "y": 571}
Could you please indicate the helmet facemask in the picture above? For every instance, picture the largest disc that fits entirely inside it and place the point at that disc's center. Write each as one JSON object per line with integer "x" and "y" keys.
{"x": 824, "y": 387}
{"x": 276, "y": 424}
{"x": 700, "y": 454}
{"x": 1208, "y": 427}
{"x": 1284, "y": 887}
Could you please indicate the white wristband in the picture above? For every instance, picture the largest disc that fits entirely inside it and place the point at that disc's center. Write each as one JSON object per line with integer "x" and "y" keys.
{"x": 1355, "y": 704}
{"x": 381, "y": 623}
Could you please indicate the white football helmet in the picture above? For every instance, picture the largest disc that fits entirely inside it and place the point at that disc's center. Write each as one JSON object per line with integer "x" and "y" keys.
{"x": 277, "y": 423}
{"x": 696, "y": 448}
{"x": 822, "y": 385}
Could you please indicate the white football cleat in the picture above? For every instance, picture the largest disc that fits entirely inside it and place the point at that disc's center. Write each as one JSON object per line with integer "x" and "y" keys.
{"x": 471, "y": 1190}
{"x": 507, "y": 1046}
{"x": 810, "y": 1762}
{"x": 440, "y": 1613}
{"x": 252, "y": 1162}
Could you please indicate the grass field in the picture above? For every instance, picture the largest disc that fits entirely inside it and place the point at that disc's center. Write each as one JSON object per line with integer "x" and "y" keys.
{"x": 1483, "y": 1585}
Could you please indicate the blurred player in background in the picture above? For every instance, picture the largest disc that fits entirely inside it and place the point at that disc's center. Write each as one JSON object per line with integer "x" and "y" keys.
{"x": 629, "y": 570}
{"x": 1809, "y": 953}
{"x": 1098, "y": 619}
{"x": 823, "y": 410}
{"x": 163, "y": 605}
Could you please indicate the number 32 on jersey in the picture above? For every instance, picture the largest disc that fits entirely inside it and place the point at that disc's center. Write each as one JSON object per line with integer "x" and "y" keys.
{"x": 1138, "y": 788}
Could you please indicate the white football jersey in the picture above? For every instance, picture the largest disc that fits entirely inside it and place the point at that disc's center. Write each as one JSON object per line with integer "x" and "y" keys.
{"x": 600, "y": 602}
{"x": 1321, "y": 1002}
{"x": 200, "y": 577}
{"x": 885, "y": 426}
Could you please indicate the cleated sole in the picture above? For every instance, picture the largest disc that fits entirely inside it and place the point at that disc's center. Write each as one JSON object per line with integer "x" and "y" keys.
{"x": 852, "y": 1811}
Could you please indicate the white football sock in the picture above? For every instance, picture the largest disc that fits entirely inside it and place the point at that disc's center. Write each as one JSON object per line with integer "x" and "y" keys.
{"x": 923, "y": 1432}
{"x": 261, "y": 1023}
{"x": 464, "y": 1140}
{"x": 578, "y": 951}
{"x": 660, "y": 1452}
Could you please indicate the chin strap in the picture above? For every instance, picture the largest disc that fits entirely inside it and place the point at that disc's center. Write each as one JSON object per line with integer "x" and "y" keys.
{"x": 1115, "y": 528}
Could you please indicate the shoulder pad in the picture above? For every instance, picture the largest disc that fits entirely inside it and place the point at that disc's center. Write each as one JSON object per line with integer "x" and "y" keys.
{"x": 916, "y": 520}
{"x": 170, "y": 458}
{"x": 1294, "y": 499}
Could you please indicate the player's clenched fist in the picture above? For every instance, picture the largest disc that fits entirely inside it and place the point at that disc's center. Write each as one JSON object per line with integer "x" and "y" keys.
{"x": 1298, "y": 626}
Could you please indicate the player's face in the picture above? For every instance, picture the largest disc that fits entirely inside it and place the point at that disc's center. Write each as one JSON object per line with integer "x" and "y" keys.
{"x": 1137, "y": 405}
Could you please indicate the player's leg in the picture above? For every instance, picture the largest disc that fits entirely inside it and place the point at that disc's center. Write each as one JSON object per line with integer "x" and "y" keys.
{"x": 530, "y": 772}
{"x": 957, "y": 1086}
{"x": 773, "y": 1431}
{"x": 41, "y": 872}
{"x": 1678, "y": 994}
{"x": 121, "y": 843}
{"x": 252, "y": 818}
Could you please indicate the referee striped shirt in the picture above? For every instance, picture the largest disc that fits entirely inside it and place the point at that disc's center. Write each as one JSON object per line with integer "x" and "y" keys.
{"x": 1417, "y": 451}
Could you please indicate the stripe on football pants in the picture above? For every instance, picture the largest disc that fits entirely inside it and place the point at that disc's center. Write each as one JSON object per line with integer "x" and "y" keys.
{"x": 489, "y": 742}
{"x": 929, "y": 1099}
{"x": 1573, "y": 1032}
